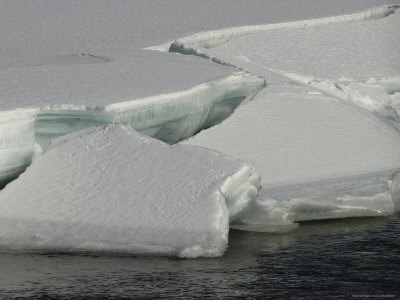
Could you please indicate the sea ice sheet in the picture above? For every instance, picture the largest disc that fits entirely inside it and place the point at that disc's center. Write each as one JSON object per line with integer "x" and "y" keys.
{"x": 355, "y": 51}
{"x": 46, "y": 31}
{"x": 131, "y": 86}
{"x": 337, "y": 57}
{"x": 112, "y": 189}
{"x": 323, "y": 138}
{"x": 302, "y": 143}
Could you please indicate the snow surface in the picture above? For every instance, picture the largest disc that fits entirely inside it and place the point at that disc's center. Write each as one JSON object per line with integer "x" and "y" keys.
{"x": 41, "y": 31}
{"x": 216, "y": 38}
{"x": 355, "y": 51}
{"x": 109, "y": 188}
{"x": 123, "y": 76}
{"x": 70, "y": 97}
{"x": 308, "y": 148}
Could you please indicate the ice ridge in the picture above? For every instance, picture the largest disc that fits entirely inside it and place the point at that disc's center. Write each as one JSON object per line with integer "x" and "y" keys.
{"x": 210, "y": 39}
{"x": 169, "y": 117}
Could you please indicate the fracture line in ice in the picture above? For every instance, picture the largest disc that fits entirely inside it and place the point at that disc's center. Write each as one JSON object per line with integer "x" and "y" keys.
{"x": 168, "y": 117}
{"x": 210, "y": 39}
{"x": 348, "y": 92}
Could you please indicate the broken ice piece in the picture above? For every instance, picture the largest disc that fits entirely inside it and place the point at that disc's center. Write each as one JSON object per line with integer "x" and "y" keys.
{"x": 112, "y": 189}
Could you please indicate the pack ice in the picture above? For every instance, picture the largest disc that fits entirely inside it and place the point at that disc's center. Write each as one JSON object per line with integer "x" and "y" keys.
{"x": 112, "y": 189}
{"x": 324, "y": 133}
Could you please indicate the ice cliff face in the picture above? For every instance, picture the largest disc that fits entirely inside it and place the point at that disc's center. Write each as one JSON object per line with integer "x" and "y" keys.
{"x": 17, "y": 142}
{"x": 395, "y": 191}
{"x": 112, "y": 189}
{"x": 169, "y": 117}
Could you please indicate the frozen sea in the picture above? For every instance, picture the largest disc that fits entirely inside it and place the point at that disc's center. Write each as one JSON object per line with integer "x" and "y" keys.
{"x": 335, "y": 259}
{"x": 72, "y": 65}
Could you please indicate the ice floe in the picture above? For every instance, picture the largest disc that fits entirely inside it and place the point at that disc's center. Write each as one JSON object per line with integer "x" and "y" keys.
{"x": 67, "y": 98}
{"x": 324, "y": 134}
{"x": 32, "y": 33}
{"x": 112, "y": 189}
{"x": 318, "y": 157}
{"x": 211, "y": 39}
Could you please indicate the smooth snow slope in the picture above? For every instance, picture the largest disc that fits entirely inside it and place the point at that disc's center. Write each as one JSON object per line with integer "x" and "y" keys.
{"x": 111, "y": 189}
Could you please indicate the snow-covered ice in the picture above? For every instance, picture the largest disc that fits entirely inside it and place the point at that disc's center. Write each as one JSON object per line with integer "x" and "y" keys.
{"x": 33, "y": 33}
{"x": 351, "y": 51}
{"x": 323, "y": 134}
{"x": 211, "y": 39}
{"x": 66, "y": 98}
{"x": 112, "y": 189}
{"x": 302, "y": 144}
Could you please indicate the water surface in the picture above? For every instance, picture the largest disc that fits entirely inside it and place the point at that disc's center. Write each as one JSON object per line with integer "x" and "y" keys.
{"x": 336, "y": 259}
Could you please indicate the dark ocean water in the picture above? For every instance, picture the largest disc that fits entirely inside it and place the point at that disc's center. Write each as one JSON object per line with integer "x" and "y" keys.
{"x": 338, "y": 259}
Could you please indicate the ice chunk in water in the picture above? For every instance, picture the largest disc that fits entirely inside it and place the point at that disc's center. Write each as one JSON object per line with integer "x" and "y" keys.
{"x": 112, "y": 189}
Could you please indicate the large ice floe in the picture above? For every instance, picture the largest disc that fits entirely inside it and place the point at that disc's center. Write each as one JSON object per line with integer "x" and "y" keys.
{"x": 318, "y": 158}
{"x": 41, "y": 103}
{"x": 112, "y": 189}
{"x": 324, "y": 133}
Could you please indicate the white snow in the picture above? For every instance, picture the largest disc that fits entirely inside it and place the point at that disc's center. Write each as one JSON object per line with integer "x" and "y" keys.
{"x": 111, "y": 189}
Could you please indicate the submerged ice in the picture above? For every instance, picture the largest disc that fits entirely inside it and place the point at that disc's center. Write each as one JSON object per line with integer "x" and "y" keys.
{"x": 112, "y": 189}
